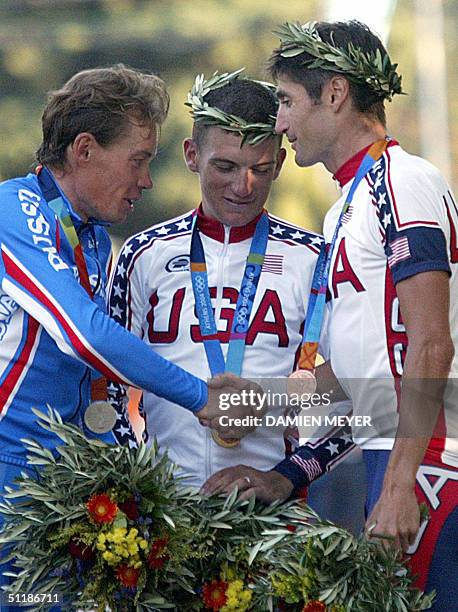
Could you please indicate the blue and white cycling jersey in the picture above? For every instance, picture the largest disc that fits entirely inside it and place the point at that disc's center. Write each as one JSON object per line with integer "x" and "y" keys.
{"x": 52, "y": 335}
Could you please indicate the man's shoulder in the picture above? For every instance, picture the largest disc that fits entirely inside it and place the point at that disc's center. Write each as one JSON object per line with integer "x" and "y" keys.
{"x": 407, "y": 169}
{"x": 29, "y": 183}
{"x": 294, "y": 235}
{"x": 165, "y": 232}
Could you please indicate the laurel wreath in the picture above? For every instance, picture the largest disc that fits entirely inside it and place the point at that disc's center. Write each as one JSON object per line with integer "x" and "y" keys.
{"x": 202, "y": 112}
{"x": 282, "y": 552}
{"x": 373, "y": 68}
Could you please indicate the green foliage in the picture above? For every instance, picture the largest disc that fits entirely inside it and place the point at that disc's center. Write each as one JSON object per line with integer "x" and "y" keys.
{"x": 70, "y": 533}
{"x": 370, "y": 68}
{"x": 251, "y": 133}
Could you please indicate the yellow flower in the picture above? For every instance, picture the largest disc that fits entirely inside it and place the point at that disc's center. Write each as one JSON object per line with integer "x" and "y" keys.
{"x": 238, "y": 597}
{"x": 143, "y": 544}
{"x": 109, "y": 556}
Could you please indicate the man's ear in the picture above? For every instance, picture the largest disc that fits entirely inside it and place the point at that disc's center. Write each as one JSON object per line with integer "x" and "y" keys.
{"x": 281, "y": 156}
{"x": 83, "y": 147}
{"x": 335, "y": 92}
{"x": 191, "y": 154}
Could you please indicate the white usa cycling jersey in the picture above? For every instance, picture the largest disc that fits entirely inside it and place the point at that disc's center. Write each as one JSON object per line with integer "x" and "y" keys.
{"x": 402, "y": 221}
{"x": 151, "y": 295}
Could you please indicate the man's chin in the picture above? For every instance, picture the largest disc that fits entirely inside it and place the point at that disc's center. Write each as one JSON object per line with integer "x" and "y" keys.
{"x": 238, "y": 218}
{"x": 300, "y": 161}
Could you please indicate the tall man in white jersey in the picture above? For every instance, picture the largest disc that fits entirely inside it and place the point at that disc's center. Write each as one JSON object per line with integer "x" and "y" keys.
{"x": 152, "y": 292}
{"x": 392, "y": 297}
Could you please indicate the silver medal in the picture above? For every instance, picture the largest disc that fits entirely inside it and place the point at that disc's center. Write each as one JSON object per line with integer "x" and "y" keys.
{"x": 100, "y": 417}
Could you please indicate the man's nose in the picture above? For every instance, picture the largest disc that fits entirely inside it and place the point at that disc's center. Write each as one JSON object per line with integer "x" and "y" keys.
{"x": 146, "y": 181}
{"x": 280, "y": 124}
{"x": 243, "y": 184}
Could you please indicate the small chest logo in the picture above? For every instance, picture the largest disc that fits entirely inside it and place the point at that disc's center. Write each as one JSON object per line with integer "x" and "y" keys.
{"x": 180, "y": 263}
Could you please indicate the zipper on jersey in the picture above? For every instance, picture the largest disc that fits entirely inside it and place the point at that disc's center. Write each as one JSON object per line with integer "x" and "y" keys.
{"x": 220, "y": 274}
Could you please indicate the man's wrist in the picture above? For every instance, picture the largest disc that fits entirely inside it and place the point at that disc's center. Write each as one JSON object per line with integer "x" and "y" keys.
{"x": 293, "y": 473}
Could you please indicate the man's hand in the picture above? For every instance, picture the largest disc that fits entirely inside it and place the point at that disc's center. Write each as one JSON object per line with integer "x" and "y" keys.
{"x": 266, "y": 486}
{"x": 232, "y": 397}
{"x": 395, "y": 518}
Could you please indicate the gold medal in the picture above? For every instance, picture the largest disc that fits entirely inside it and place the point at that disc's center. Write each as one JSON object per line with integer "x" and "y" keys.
{"x": 100, "y": 417}
{"x": 229, "y": 443}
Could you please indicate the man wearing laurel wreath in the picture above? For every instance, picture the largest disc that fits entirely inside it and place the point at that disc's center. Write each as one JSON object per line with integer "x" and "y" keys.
{"x": 100, "y": 133}
{"x": 391, "y": 277}
{"x": 229, "y": 255}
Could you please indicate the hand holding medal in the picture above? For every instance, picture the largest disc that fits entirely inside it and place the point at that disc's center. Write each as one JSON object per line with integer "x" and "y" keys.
{"x": 240, "y": 416}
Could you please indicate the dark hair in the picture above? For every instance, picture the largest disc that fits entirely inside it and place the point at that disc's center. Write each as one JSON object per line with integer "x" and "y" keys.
{"x": 100, "y": 101}
{"x": 244, "y": 98}
{"x": 340, "y": 34}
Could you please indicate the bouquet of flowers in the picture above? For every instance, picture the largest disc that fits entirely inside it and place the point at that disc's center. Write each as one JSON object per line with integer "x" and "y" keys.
{"x": 111, "y": 528}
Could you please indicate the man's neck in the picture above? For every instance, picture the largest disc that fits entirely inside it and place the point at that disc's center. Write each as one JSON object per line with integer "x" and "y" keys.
{"x": 351, "y": 140}
{"x": 66, "y": 184}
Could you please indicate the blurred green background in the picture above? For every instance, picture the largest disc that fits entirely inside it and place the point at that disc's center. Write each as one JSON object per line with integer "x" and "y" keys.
{"x": 43, "y": 42}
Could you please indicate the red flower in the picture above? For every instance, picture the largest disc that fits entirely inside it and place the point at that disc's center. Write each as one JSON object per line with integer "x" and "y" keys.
{"x": 127, "y": 576}
{"x": 156, "y": 557}
{"x": 101, "y": 508}
{"x": 80, "y": 551}
{"x": 291, "y": 528}
{"x": 214, "y": 594}
{"x": 130, "y": 508}
{"x": 314, "y": 606}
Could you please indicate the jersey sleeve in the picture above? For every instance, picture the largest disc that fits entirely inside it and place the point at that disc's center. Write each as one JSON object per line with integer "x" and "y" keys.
{"x": 413, "y": 220}
{"x": 35, "y": 276}
{"x": 317, "y": 456}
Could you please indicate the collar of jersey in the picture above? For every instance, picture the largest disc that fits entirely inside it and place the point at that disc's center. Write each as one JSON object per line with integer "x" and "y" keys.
{"x": 348, "y": 170}
{"x": 214, "y": 229}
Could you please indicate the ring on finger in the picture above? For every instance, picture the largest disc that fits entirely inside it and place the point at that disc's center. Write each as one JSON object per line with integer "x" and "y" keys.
{"x": 371, "y": 528}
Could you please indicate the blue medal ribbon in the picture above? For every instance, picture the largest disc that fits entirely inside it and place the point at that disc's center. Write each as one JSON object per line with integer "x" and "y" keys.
{"x": 317, "y": 300}
{"x": 244, "y": 306}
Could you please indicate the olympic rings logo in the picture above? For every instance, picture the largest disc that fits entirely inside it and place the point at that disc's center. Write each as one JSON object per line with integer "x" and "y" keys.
{"x": 199, "y": 284}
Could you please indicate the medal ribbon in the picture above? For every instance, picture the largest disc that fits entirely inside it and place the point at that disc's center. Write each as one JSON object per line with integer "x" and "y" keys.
{"x": 249, "y": 285}
{"x": 56, "y": 203}
{"x": 317, "y": 300}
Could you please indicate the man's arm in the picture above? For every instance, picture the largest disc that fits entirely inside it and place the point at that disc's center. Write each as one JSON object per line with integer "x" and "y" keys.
{"x": 299, "y": 470}
{"x": 424, "y": 303}
{"x": 44, "y": 285}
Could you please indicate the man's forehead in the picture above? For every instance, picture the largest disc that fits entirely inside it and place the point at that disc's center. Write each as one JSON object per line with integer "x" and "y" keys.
{"x": 142, "y": 137}
{"x": 286, "y": 87}
{"x": 223, "y": 144}
{"x": 246, "y": 154}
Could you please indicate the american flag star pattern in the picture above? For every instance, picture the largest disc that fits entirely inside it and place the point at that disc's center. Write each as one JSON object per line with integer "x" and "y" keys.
{"x": 380, "y": 197}
{"x": 132, "y": 249}
{"x": 279, "y": 230}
